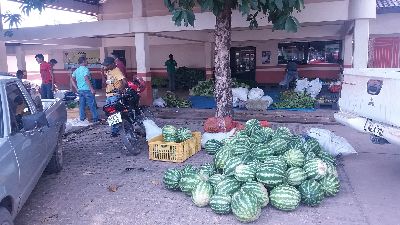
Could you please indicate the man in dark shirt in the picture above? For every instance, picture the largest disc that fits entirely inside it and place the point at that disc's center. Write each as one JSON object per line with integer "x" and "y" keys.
{"x": 291, "y": 74}
{"x": 171, "y": 70}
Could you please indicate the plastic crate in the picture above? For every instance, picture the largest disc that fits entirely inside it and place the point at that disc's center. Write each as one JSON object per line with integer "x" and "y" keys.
{"x": 174, "y": 152}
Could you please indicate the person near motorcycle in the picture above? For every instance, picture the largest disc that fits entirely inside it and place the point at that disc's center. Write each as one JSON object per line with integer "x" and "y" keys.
{"x": 115, "y": 84}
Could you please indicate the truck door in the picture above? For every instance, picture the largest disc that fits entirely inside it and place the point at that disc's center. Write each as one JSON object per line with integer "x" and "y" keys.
{"x": 28, "y": 145}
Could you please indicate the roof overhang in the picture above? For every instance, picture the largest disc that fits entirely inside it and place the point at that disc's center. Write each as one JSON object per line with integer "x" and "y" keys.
{"x": 89, "y": 7}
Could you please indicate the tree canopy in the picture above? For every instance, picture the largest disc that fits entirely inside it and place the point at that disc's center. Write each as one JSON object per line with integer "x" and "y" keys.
{"x": 278, "y": 12}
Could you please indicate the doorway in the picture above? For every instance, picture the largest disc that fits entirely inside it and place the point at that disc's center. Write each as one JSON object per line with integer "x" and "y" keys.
{"x": 243, "y": 63}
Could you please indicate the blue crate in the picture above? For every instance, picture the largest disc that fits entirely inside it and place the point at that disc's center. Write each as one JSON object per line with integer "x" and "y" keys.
{"x": 203, "y": 102}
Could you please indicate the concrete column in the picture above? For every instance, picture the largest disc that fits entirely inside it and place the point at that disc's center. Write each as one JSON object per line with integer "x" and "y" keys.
{"x": 20, "y": 54}
{"x": 138, "y": 8}
{"x": 3, "y": 56}
{"x": 143, "y": 66}
{"x": 361, "y": 41}
{"x": 209, "y": 53}
{"x": 347, "y": 51}
{"x": 103, "y": 53}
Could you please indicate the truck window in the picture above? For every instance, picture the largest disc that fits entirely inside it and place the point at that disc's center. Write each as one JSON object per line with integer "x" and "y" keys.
{"x": 18, "y": 107}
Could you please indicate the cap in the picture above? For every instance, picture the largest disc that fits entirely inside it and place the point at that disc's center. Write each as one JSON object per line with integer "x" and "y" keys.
{"x": 108, "y": 61}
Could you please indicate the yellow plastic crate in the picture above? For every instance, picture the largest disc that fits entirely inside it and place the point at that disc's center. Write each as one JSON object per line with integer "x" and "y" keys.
{"x": 174, "y": 152}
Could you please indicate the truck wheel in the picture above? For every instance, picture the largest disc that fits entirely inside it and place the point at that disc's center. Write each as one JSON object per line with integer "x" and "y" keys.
{"x": 56, "y": 162}
{"x": 5, "y": 217}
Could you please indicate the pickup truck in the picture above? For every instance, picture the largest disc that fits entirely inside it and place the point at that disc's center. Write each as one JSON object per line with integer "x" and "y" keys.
{"x": 30, "y": 142}
{"x": 369, "y": 103}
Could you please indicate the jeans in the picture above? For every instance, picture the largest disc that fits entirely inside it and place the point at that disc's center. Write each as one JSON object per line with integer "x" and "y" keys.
{"x": 111, "y": 100}
{"x": 47, "y": 91}
{"x": 171, "y": 80}
{"x": 87, "y": 98}
{"x": 289, "y": 77}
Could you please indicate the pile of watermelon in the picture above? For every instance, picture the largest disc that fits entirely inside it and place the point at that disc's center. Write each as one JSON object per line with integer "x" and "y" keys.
{"x": 173, "y": 134}
{"x": 256, "y": 167}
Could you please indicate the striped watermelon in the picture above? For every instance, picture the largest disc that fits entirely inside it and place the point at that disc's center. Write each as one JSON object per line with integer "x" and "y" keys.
{"x": 240, "y": 146}
{"x": 245, "y": 173}
{"x": 261, "y": 151}
{"x": 309, "y": 155}
{"x": 221, "y": 157}
{"x": 172, "y": 178}
{"x": 276, "y": 161}
{"x": 283, "y": 132}
{"x": 278, "y": 145}
{"x": 294, "y": 158}
{"x": 326, "y": 157}
{"x": 188, "y": 182}
{"x": 215, "y": 179}
{"x": 183, "y": 134}
{"x": 169, "y": 133}
{"x": 245, "y": 206}
{"x": 268, "y": 133}
{"x": 251, "y": 126}
{"x": 228, "y": 186}
{"x": 330, "y": 184}
{"x": 202, "y": 193}
{"x": 312, "y": 145}
{"x": 315, "y": 168}
{"x": 285, "y": 197}
{"x": 332, "y": 169}
{"x": 258, "y": 136}
{"x": 241, "y": 134}
{"x": 221, "y": 203}
{"x": 271, "y": 175}
{"x": 295, "y": 176}
{"x": 312, "y": 193}
{"x": 206, "y": 171}
{"x": 258, "y": 190}
{"x": 213, "y": 146}
{"x": 248, "y": 157}
{"x": 188, "y": 169}
{"x": 231, "y": 164}
{"x": 296, "y": 142}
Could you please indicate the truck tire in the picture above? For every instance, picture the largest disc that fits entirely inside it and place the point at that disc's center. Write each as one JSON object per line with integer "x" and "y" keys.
{"x": 5, "y": 217}
{"x": 56, "y": 162}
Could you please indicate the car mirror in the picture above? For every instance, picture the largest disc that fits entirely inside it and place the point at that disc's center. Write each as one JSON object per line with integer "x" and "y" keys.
{"x": 34, "y": 121}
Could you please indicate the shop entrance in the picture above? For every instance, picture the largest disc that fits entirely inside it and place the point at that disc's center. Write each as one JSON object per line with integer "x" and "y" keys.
{"x": 243, "y": 63}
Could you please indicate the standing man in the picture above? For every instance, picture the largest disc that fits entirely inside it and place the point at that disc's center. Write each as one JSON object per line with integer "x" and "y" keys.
{"x": 81, "y": 81}
{"x": 121, "y": 66}
{"x": 116, "y": 82}
{"x": 171, "y": 70}
{"x": 53, "y": 62}
{"x": 291, "y": 74}
{"x": 47, "y": 77}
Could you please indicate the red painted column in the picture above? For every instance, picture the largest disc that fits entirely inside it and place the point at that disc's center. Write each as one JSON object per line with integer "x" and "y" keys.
{"x": 146, "y": 97}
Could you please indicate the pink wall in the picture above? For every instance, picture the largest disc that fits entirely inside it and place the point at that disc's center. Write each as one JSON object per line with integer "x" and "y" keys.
{"x": 112, "y": 10}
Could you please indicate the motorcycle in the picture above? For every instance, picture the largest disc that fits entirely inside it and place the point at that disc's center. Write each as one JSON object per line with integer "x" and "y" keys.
{"x": 128, "y": 115}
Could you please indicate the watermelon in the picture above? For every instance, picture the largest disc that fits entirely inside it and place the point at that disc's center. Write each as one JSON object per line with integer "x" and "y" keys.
{"x": 169, "y": 133}
{"x": 331, "y": 169}
{"x": 188, "y": 169}
{"x": 312, "y": 145}
{"x": 326, "y": 157}
{"x": 183, "y": 134}
{"x": 309, "y": 155}
{"x": 315, "y": 169}
{"x": 245, "y": 206}
{"x": 221, "y": 203}
{"x": 206, "y": 171}
{"x": 221, "y": 157}
{"x": 295, "y": 176}
{"x": 245, "y": 173}
{"x": 261, "y": 151}
{"x": 258, "y": 136}
{"x": 231, "y": 164}
{"x": 188, "y": 182}
{"x": 240, "y": 146}
{"x": 268, "y": 133}
{"x": 294, "y": 158}
{"x": 311, "y": 192}
{"x": 271, "y": 175}
{"x": 172, "y": 178}
{"x": 258, "y": 190}
{"x": 213, "y": 146}
{"x": 296, "y": 142}
{"x": 285, "y": 197}
{"x": 215, "y": 179}
{"x": 283, "y": 132}
{"x": 278, "y": 145}
{"x": 330, "y": 184}
{"x": 202, "y": 193}
{"x": 228, "y": 186}
{"x": 251, "y": 126}
{"x": 276, "y": 161}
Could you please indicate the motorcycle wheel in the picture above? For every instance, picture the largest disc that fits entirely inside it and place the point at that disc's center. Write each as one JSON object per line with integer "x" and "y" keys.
{"x": 129, "y": 138}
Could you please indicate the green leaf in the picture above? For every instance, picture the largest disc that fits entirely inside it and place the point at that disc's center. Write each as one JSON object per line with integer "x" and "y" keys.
{"x": 291, "y": 25}
{"x": 299, "y": 5}
{"x": 279, "y": 4}
{"x": 292, "y": 3}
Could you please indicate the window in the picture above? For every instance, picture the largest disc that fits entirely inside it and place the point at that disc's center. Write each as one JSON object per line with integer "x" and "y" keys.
{"x": 18, "y": 107}
{"x": 310, "y": 52}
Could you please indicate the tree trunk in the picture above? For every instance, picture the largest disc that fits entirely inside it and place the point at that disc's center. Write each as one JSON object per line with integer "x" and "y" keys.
{"x": 223, "y": 80}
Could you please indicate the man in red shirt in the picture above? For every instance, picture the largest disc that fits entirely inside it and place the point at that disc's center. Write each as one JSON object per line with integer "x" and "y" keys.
{"x": 120, "y": 65}
{"x": 46, "y": 73}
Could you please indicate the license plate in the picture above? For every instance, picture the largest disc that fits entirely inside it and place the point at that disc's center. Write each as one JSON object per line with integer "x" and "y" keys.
{"x": 373, "y": 128}
{"x": 114, "y": 119}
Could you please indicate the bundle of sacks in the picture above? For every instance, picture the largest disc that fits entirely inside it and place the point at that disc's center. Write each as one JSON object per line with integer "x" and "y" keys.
{"x": 313, "y": 87}
{"x": 252, "y": 99}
